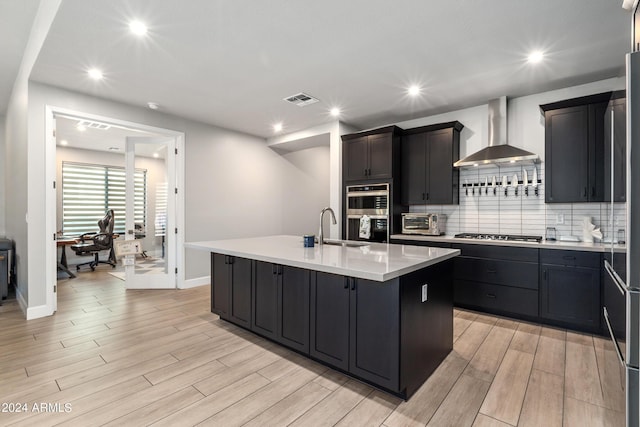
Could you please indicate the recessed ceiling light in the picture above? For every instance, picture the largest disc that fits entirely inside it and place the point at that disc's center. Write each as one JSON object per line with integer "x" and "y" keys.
{"x": 335, "y": 111}
{"x": 277, "y": 127}
{"x": 153, "y": 105}
{"x": 95, "y": 74}
{"x": 114, "y": 149}
{"x": 535, "y": 56}
{"x": 414, "y": 90}
{"x": 64, "y": 142}
{"x": 156, "y": 155}
{"x": 81, "y": 127}
{"x": 138, "y": 28}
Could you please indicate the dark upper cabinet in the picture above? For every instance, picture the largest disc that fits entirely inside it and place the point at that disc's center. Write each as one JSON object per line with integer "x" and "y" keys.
{"x": 575, "y": 154}
{"x": 231, "y": 288}
{"x": 570, "y": 288}
{"x": 428, "y": 154}
{"x": 281, "y": 304}
{"x": 615, "y": 118}
{"x": 372, "y": 154}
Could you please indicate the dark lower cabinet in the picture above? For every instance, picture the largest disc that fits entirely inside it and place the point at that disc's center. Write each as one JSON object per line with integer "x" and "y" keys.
{"x": 281, "y": 304}
{"x": 231, "y": 290}
{"x": 355, "y": 326}
{"x": 374, "y": 337}
{"x": 383, "y": 332}
{"x": 330, "y": 319}
{"x": 570, "y": 289}
{"x": 220, "y": 285}
{"x": 501, "y": 280}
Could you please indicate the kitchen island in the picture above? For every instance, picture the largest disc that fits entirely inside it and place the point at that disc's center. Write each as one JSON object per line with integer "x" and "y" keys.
{"x": 381, "y": 313}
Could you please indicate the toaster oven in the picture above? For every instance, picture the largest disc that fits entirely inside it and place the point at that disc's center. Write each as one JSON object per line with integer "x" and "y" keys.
{"x": 424, "y": 223}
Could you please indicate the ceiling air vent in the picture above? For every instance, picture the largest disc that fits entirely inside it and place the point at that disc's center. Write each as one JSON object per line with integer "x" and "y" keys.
{"x": 301, "y": 99}
{"x": 93, "y": 125}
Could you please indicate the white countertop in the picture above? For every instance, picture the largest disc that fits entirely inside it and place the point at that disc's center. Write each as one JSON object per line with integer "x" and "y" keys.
{"x": 375, "y": 261}
{"x": 575, "y": 246}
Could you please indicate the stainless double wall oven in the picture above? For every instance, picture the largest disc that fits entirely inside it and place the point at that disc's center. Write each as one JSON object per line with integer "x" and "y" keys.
{"x": 373, "y": 201}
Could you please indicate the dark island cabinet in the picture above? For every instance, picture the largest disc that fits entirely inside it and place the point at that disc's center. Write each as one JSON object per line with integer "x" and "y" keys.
{"x": 570, "y": 288}
{"x": 428, "y": 154}
{"x": 615, "y": 150}
{"x": 354, "y": 326}
{"x": 231, "y": 290}
{"x": 371, "y": 154}
{"x": 281, "y": 304}
{"x": 578, "y": 148}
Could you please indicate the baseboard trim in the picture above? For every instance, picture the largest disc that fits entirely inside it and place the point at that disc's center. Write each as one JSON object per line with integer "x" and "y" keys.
{"x": 21, "y": 302}
{"x": 198, "y": 281}
{"x": 32, "y": 312}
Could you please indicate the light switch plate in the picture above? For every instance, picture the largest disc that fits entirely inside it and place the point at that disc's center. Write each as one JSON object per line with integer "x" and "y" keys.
{"x": 424, "y": 292}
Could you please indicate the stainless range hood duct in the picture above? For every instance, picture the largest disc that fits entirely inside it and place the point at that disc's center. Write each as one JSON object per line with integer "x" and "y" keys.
{"x": 498, "y": 150}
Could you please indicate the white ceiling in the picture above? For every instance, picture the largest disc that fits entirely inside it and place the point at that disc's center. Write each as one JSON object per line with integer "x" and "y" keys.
{"x": 230, "y": 62}
{"x": 111, "y": 139}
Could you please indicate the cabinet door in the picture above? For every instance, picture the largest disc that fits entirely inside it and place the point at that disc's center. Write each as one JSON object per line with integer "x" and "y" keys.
{"x": 413, "y": 169}
{"x": 265, "y": 300}
{"x": 596, "y": 151}
{"x": 571, "y": 295}
{"x": 375, "y": 332}
{"x": 294, "y": 308}
{"x": 440, "y": 170}
{"x": 356, "y": 153}
{"x": 240, "y": 289}
{"x": 330, "y": 319}
{"x": 567, "y": 155}
{"x": 619, "y": 109}
{"x": 380, "y": 156}
{"x": 220, "y": 279}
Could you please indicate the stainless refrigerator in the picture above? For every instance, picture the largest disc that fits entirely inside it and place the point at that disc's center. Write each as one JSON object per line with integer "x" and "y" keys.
{"x": 622, "y": 262}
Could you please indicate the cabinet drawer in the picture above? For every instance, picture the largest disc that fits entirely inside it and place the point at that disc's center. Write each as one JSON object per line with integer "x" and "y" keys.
{"x": 497, "y": 272}
{"x": 509, "y": 253}
{"x": 496, "y": 297}
{"x": 570, "y": 258}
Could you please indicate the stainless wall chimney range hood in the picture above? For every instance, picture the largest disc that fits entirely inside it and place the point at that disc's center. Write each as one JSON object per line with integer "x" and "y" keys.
{"x": 498, "y": 151}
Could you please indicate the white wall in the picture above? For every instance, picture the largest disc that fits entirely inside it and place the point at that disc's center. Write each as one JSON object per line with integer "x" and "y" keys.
{"x": 522, "y": 214}
{"x": 235, "y": 186}
{"x": 15, "y": 172}
{"x": 3, "y": 156}
{"x": 155, "y": 175}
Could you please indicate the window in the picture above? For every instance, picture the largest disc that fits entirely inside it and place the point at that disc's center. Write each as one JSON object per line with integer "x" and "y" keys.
{"x": 88, "y": 191}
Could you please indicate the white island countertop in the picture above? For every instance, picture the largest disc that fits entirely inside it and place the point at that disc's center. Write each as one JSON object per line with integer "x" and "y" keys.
{"x": 375, "y": 261}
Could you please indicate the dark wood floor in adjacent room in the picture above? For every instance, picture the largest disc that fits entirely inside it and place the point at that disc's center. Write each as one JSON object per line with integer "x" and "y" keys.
{"x": 159, "y": 357}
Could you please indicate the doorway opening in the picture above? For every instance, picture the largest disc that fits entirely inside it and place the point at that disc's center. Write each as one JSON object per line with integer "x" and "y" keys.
{"x": 100, "y": 165}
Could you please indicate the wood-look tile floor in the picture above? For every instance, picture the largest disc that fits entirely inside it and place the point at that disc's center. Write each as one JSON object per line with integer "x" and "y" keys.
{"x": 126, "y": 358}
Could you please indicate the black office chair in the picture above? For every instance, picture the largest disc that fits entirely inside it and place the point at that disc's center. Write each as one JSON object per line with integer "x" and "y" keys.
{"x": 93, "y": 243}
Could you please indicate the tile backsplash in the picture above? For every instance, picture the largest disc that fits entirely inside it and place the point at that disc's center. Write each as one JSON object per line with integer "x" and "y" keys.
{"x": 484, "y": 212}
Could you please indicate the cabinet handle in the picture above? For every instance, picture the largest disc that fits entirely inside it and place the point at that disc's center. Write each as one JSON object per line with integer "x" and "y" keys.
{"x": 427, "y": 196}
{"x": 353, "y": 284}
{"x": 491, "y": 295}
{"x": 593, "y": 191}
{"x": 274, "y": 269}
{"x": 584, "y": 192}
{"x": 346, "y": 283}
{"x": 423, "y": 196}
{"x": 280, "y": 270}
{"x": 544, "y": 275}
{"x": 231, "y": 259}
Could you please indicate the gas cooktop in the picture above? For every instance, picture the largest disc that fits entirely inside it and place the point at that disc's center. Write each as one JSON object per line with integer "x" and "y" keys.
{"x": 510, "y": 237}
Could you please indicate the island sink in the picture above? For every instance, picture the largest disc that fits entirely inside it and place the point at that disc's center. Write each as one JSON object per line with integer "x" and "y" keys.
{"x": 382, "y": 315}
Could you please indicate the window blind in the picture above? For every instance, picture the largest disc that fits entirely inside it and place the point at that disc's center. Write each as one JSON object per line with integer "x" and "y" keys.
{"x": 161, "y": 209}
{"x": 88, "y": 191}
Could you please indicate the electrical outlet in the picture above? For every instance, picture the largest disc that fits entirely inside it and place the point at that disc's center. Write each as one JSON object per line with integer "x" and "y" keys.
{"x": 424, "y": 292}
{"x": 560, "y": 218}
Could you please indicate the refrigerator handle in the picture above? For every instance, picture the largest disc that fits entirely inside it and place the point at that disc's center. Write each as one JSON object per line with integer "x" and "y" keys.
{"x": 613, "y": 338}
{"x": 622, "y": 287}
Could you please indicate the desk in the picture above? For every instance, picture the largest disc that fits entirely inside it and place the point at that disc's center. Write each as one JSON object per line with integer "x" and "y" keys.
{"x": 63, "y": 241}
